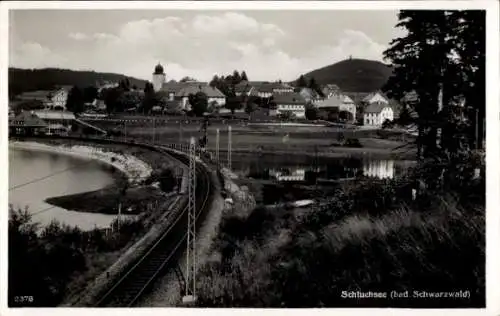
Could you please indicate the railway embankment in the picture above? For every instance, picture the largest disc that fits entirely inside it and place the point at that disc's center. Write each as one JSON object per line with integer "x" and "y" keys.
{"x": 228, "y": 197}
{"x": 106, "y": 280}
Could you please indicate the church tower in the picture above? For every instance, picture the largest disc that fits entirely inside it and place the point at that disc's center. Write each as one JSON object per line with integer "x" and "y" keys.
{"x": 158, "y": 77}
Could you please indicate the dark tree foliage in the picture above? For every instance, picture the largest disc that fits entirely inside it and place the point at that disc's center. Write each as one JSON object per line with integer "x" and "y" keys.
{"x": 226, "y": 83}
{"x": 199, "y": 103}
{"x": 167, "y": 180}
{"x": 244, "y": 76}
{"x": 236, "y": 78}
{"x": 443, "y": 52}
{"x": 23, "y": 80}
{"x": 112, "y": 99}
{"x": 75, "y": 102}
{"x": 90, "y": 93}
{"x": 43, "y": 261}
{"x": 314, "y": 86}
{"x": 311, "y": 112}
{"x": 354, "y": 75}
{"x": 150, "y": 99}
{"x": 57, "y": 253}
{"x": 302, "y": 82}
{"x": 234, "y": 103}
{"x": 250, "y": 107}
{"x": 187, "y": 79}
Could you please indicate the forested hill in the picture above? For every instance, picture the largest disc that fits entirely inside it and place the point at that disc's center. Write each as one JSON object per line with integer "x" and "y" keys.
{"x": 22, "y": 80}
{"x": 353, "y": 75}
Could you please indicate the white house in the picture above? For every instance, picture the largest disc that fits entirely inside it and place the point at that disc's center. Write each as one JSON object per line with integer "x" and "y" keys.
{"x": 375, "y": 114}
{"x": 290, "y": 102}
{"x": 60, "y": 96}
{"x": 213, "y": 94}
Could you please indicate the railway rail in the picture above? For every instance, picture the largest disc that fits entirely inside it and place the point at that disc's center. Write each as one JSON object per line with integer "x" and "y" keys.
{"x": 164, "y": 254}
{"x": 166, "y": 251}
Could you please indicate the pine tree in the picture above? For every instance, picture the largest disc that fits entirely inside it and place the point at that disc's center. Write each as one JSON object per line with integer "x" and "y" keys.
{"x": 302, "y": 83}
{"x": 215, "y": 81}
{"x": 422, "y": 64}
{"x": 236, "y": 78}
{"x": 244, "y": 76}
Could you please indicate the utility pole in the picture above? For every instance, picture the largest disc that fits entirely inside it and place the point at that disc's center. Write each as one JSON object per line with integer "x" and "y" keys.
{"x": 439, "y": 111}
{"x": 217, "y": 147}
{"x": 154, "y": 130}
{"x": 190, "y": 294}
{"x": 119, "y": 217}
{"x": 180, "y": 131}
{"x": 229, "y": 147}
{"x": 476, "y": 132}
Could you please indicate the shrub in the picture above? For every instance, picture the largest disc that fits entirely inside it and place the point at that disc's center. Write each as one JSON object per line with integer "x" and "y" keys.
{"x": 353, "y": 142}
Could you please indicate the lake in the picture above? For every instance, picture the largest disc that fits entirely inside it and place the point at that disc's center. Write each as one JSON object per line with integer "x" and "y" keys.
{"x": 35, "y": 176}
{"x": 292, "y": 169}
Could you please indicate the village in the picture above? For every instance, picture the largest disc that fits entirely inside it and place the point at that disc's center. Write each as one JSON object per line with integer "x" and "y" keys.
{"x": 51, "y": 112}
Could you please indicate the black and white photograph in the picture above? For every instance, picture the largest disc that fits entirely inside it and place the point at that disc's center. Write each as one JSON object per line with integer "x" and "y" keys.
{"x": 273, "y": 155}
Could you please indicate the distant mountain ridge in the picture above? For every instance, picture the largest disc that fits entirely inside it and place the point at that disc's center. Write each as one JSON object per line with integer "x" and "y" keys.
{"x": 24, "y": 80}
{"x": 353, "y": 75}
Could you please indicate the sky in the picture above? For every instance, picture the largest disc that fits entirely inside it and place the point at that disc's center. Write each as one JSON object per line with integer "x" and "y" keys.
{"x": 268, "y": 45}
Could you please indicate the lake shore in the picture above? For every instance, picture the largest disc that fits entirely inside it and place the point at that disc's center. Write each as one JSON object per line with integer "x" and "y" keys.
{"x": 131, "y": 167}
{"x": 130, "y": 172}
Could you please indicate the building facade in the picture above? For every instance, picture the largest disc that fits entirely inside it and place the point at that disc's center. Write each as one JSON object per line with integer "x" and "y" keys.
{"x": 376, "y": 114}
{"x": 292, "y": 103}
{"x": 342, "y": 102}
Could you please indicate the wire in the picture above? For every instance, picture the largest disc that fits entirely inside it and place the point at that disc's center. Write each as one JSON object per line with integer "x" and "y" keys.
{"x": 48, "y": 176}
{"x": 56, "y": 173}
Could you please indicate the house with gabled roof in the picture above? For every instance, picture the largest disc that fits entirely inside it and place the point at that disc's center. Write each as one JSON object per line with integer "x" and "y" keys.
{"x": 51, "y": 99}
{"x": 342, "y": 102}
{"x": 376, "y": 114}
{"x": 310, "y": 95}
{"x": 330, "y": 90}
{"x": 290, "y": 102}
{"x": 173, "y": 91}
{"x": 27, "y": 123}
{"x": 244, "y": 88}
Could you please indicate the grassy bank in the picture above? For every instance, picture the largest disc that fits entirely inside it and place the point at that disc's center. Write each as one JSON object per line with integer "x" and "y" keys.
{"x": 278, "y": 140}
{"x": 105, "y": 201}
{"x": 368, "y": 237}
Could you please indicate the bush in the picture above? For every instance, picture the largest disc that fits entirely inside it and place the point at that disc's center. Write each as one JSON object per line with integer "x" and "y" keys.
{"x": 369, "y": 236}
{"x": 353, "y": 142}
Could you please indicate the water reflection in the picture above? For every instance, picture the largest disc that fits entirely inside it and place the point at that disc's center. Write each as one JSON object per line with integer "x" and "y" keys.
{"x": 325, "y": 170}
{"x": 381, "y": 169}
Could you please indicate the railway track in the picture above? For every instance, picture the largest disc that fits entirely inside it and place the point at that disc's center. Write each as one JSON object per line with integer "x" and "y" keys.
{"x": 164, "y": 254}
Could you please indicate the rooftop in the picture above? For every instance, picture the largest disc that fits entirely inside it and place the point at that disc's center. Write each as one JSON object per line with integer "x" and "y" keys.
{"x": 376, "y": 108}
{"x": 334, "y": 101}
{"x": 27, "y": 118}
{"x": 289, "y": 98}
{"x": 54, "y": 115}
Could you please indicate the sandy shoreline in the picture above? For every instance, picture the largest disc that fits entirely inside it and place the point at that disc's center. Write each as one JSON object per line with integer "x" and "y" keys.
{"x": 131, "y": 167}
